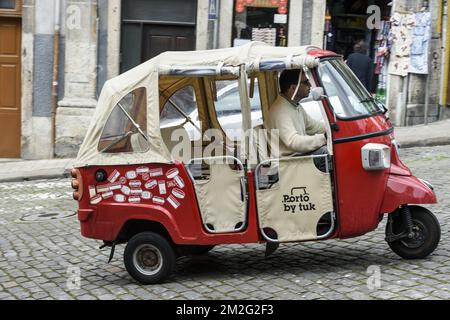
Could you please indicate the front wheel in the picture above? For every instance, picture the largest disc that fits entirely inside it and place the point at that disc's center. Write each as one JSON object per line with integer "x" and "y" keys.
{"x": 149, "y": 258}
{"x": 425, "y": 237}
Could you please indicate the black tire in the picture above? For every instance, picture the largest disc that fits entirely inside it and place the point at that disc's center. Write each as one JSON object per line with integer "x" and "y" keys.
{"x": 427, "y": 235}
{"x": 188, "y": 250}
{"x": 149, "y": 258}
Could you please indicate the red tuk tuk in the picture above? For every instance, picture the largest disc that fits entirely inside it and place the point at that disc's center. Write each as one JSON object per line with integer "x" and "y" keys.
{"x": 134, "y": 186}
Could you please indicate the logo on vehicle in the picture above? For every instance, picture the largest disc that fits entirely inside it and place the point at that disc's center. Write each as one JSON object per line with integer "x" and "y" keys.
{"x": 298, "y": 201}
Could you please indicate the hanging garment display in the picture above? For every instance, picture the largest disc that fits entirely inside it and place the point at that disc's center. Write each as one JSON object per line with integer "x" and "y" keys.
{"x": 402, "y": 26}
{"x": 420, "y": 43}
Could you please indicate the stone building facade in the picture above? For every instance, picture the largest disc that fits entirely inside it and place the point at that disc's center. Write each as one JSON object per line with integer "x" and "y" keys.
{"x": 99, "y": 39}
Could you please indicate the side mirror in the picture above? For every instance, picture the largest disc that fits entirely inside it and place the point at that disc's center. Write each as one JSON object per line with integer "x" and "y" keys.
{"x": 317, "y": 93}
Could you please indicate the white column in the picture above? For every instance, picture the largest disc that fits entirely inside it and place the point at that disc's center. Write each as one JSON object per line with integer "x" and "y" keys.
{"x": 318, "y": 22}
{"x": 113, "y": 54}
{"x": 295, "y": 23}
{"x": 225, "y": 23}
{"x": 80, "y": 72}
{"x": 81, "y": 54}
{"x": 202, "y": 25}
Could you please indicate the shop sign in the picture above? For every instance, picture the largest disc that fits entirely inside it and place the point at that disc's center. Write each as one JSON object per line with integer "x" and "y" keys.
{"x": 280, "y": 18}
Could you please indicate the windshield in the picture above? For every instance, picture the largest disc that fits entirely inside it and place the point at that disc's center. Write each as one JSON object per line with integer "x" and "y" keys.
{"x": 347, "y": 95}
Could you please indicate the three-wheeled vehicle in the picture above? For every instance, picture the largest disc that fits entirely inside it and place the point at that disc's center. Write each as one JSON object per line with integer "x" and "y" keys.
{"x": 134, "y": 185}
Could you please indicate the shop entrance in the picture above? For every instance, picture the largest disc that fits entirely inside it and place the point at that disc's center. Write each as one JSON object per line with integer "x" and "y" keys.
{"x": 346, "y": 24}
{"x": 261, "y": 20}
{"x": 10, "y": 108}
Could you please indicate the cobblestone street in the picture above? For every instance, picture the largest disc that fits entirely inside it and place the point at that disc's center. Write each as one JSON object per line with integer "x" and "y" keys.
{"x": 41, "y": 250}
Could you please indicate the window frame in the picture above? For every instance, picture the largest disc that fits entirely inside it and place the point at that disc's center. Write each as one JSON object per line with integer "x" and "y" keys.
{"x": 133, "y": 106}
{"x": 16, "y": 12}
{"x": 340, "y": 117}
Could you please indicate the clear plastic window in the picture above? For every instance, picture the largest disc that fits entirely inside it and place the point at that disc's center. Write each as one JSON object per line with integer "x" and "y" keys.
{"x": 228, "y": 108}
{"x": 126, "y": 128}
{"x": 181, "y": 110}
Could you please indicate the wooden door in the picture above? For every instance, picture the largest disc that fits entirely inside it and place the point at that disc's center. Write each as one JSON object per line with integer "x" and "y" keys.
{"x": 160, "y": 38}
{"x": 10, "y": 124}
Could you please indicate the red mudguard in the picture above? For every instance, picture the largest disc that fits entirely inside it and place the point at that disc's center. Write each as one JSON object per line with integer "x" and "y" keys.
{"x": 402, "y": 189}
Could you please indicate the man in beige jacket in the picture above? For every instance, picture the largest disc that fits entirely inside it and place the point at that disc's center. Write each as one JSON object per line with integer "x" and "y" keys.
{"x": 298, "y": 132}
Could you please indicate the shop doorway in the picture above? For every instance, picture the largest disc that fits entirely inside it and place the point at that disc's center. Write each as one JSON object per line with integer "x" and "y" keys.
{"x": 346, "y": 25}
{"x": 261, "y": 20}
{"x": 150, "y": 27}
{"x": 10, "y": 83}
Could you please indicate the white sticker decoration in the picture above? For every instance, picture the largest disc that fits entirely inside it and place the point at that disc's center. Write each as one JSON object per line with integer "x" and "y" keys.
{"x": 113, "y": 176}
{"x": 92, "y": 192}
{"x": 135, "y": 191}
{"x": 171, "y": 184}
{"x": 179, "y": 181}
{"x": 146, "y": 195}
{"x": 156, "y": 172}
{"x": 135, "y": 183}
{"x": 96, "y": 199}
{"x": 131, "y": 175}
{"x": 142, "y": 170}
{"x": 158, "y": 200}
{"x": 123, "y": 180}
{"x": 171, "y": 199}
{"x": 151, "y": 184}
{"x": 172, "y": 173}
{"x": 178, "y": 193}
{"x": 119, "y": 198}
{"x": 162, "y": 187}
{"x": 126, "y": 190}
{"x": 107, "y": 195}
{"x": 134, "y": 187}
{"x": 103, "y": 188}
{"x": 134, "y": 199}
{"x": 115, "y": 186}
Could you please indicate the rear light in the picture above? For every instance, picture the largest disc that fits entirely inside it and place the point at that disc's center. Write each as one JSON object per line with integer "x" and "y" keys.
{"x": 77, "y": 184}
{"x": 376, "y": 156}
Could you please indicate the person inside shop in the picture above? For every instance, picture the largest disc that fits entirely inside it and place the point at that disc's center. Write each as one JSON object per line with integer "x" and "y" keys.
{"x": 361, "y": 64}
{"x": 299, "y": 134}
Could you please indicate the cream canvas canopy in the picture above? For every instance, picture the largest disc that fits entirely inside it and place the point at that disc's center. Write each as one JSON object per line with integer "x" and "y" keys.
{"x": 252, "y": 57}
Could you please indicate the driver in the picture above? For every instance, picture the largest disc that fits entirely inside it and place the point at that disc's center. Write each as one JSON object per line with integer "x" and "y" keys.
{"x": 298, "y": 132}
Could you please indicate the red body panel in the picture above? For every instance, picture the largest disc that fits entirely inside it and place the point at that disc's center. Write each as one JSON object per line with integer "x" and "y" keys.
{"x": 359, "y": 192}
{"x": 105, "y": 220}
{"x": 405, "y": 190}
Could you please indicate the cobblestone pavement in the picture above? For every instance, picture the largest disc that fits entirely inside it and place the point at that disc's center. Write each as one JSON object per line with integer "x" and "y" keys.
{"x": 38, "y": 258}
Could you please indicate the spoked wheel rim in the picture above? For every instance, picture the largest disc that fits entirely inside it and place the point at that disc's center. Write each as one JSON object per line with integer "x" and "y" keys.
{"x": 147, "y": 259}
{"x": 420, "y": 234}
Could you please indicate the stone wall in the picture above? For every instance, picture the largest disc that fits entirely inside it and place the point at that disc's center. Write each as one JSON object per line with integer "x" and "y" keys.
{"x": 412, "y": 112}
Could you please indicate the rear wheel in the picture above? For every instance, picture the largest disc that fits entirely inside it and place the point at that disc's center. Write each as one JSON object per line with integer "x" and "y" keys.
{"x": 425, "y": 236}
{"x": 149, "y": 258}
